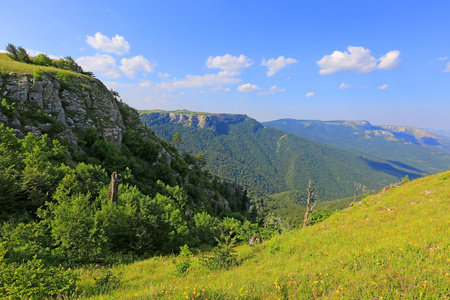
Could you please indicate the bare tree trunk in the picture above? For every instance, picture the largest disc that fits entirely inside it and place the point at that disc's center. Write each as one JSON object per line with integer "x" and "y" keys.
{"x": 116, "y": 179}
{"x": 252, "y": 239}
{"x": 309, "y": 209}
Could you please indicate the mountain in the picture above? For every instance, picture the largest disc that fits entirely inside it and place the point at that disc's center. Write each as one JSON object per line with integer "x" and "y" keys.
{"x": 391, "y": 245}
{"x": 400, "y": 145}
{"x": 272, "y": 161}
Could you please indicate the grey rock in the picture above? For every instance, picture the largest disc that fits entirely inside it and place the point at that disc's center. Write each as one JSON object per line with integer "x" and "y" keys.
{"x": 45, "y": 127}
{"x": 3, "y": 118}
{"x": 33, "y": 130}
{"x": 15, "y": 123}
{"x": 18, "y": 133}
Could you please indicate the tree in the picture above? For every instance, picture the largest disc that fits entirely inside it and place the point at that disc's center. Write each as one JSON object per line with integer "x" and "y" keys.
{"x": 309, "y": 209}
{"x": 23, "y": 55}
{"x": 42, "y": 60}
{"x": 176, "y": 140}
{"x": 12, "y": 51}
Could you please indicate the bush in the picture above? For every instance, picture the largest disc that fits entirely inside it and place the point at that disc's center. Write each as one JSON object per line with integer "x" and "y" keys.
{"x": 42, "y": 60}
{"x": 32, "y": 280}
{"x": 185, "y": 257}
{"x": 37, "y": 74}
{"x": 224, "y": 256}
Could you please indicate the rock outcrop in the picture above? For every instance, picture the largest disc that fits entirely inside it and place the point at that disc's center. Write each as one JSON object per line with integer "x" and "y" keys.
{"x": 211, "y": 121}
{"x": 82, "y": 102}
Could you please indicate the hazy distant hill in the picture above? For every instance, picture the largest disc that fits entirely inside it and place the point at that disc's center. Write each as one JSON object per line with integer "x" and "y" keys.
{"x": 399, "y": 144}
{"x": 270, "y": 160}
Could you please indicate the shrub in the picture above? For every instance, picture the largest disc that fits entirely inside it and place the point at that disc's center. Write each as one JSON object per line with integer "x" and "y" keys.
{"x": 37, "y": 74}
{"x": 42, "y": 60}
{"x": 224, "y": 256}
{"x": 63, "y": 78}
{"x": 32, "y": 280}
{"x": 185, "y": 257}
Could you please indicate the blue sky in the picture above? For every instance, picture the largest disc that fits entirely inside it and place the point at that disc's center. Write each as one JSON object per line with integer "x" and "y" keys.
{"x": 381, "y": 61}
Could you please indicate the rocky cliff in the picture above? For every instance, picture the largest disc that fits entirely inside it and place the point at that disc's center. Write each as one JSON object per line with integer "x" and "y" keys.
{"x": 212, "y": 121}
{"x": 68, "y": 103}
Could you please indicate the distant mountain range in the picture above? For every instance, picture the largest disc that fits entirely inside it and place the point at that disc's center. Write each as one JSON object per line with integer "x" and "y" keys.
{"x": 270, "y": 160}
{"x": 412, "y": 146}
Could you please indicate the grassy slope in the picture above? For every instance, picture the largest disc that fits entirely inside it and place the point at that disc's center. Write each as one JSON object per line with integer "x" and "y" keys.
{"x": 8, "y": 65}
{"x": 394, "y": 245}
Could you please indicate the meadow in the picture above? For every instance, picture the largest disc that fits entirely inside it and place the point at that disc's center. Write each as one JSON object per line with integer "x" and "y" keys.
{"x": 391, "y": 245}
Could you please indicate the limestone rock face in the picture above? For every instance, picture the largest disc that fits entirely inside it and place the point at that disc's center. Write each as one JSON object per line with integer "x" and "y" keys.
{"x": 80, "y": 103}
{"x": 212, "y": 121}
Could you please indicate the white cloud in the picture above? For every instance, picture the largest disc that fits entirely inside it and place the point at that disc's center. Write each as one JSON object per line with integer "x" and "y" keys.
{"x": 383, "y": 87}
{"x": 231, "y": 65}
{"x": 447, "y": 69}
{"x": 272, "y": 90}
{"x": 100, "y": 64}
{"x": 135, "y": 64}
{"x": 442, "y": 58}
{"x": 163, "y": 75}
{"x": 357, "y": 60}
{"x": 310, "y": 94}
{"x": 3, "y": 51}
{"x": 390, "y": 61}
{"x": 246, "y": 88}
{"x": 276, "y": 65}
{"x": 117, "y": 44}
{"x": 344, "y": 86}
{"x": 199, "y": 81}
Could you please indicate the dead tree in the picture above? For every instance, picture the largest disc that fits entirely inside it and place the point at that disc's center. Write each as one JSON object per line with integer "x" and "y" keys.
{"x": 253, "y": 239}
{"x": 309, "y": 209}
{"x": 116, "y": 179}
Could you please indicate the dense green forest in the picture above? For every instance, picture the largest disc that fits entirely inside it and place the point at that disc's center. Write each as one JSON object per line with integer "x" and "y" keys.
{"x": 273, "y": 161}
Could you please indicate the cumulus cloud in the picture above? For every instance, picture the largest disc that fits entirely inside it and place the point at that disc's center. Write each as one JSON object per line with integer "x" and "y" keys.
{"x": 276, "y": 65}
{"x": 344, "y": 86}
{"x": 117, "y": 44}
{"x": 246, "y": 88}
{"x": 310, "y": 94}
{"x": 100, "y": 64}
{"x": 135, "y": 64}
{"x": 357, "y": 60}
{"x": 390, "y": 61}
{"x": 272, "y": 90}
{"x": 231, "y": 65}
{"x": 383, "y": 87}
{"x": 199, "y": 81}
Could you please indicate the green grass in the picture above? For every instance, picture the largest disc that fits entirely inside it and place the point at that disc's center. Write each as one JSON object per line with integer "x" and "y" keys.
{"x": 392, "y": 245}
{"x": 8, "y": 65}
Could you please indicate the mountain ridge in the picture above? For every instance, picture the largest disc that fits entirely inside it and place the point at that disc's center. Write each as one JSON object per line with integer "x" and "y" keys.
{"x": 413, "y": 146}
{"x": 271, "y": 160}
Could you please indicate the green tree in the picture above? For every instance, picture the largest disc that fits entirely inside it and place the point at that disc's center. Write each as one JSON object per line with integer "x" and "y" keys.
{"x": 176, "y": 139}
{"x": 42, "y": 60}
{"x": 12, "y": 51}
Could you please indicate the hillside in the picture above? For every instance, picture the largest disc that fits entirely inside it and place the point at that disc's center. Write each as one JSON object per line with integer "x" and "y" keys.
{"x": 273, "y": 161}
{"x": 412, "y": 146}
{"x": 62, "y": 136}
{"x": 391, "y": 245}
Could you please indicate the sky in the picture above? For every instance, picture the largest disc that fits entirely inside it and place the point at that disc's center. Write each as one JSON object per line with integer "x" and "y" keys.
{"x": 387, "y": 62}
